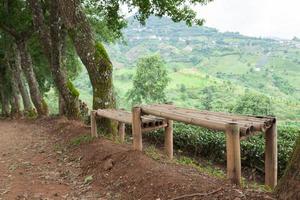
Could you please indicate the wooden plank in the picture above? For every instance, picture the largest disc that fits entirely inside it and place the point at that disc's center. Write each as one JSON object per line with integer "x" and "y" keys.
{"x": 124, "y": 116}
{"x": 271, "y": 156}
{"x": 121, "y": 131}
{"x": 118, "y": 115}
{"x": 151, "y": 118}
{"x": 223, "y": 115}
{"x": 137, "y": 129}
{"x": 169, "y": 139}
{"x": 148, "y": 129}
{"x": 93, "y": 124}
{"x": 246, "y": 127}
{"x": 186, "y": 119}
{"x": 233, "y": 153}
{"x": 216, "y": 121}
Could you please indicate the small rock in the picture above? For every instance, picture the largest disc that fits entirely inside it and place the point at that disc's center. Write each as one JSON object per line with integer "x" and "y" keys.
{"x": 42, "y": 151}
{"x": 108, "y": 164}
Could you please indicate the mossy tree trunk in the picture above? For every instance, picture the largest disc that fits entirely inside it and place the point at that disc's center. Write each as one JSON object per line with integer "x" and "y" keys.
{"x": 26, "y": 63}
{"x": 28, "y": 108}
{"x": 93, "y": 56}
{"x": 61, "y": 105}
{"x": 15, "y": 97}
{"x": 52, "y": 40}
{"x": 289, "y": 184}
{"x": 21, "y": 39}
{"x": 5, "y": 103}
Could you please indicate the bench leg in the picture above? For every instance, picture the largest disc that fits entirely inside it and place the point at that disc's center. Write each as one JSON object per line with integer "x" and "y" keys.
{"x": 169, "y": 139}
{"x": 93, "y": 124}
{"x": 271, "y": 156}
{"x": 137, "y": 129}
{"x": 233, "y": 153}
{"x": 122, "y": 131}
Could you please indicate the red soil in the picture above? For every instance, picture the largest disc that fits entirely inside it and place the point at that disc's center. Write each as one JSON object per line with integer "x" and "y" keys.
{"x": 38, "y": 162}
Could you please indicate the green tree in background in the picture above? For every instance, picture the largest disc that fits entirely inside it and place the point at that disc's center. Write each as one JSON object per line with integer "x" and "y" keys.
{"x": 207, "y": 97}
{"x": 253, "y": 104}
{"x": 149, "y": 82}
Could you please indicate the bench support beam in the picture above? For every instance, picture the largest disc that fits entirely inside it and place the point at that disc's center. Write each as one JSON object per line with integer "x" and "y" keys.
{"x": 169, "y": 139}
{"x": 233, "y": 153}
{"x": 93, "y": 124}
{"x": 121, "y": 131}
{"x": 137, "y": 129}
{"x": 271, "y": 156}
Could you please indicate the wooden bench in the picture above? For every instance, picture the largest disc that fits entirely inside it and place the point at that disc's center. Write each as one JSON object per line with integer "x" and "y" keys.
{"x": 148, "y": 123}
{"x": 236, "y": 128}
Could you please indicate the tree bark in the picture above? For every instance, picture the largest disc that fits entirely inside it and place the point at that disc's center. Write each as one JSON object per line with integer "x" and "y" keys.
{"x": 61, "y": 105}
{"x": 26, "y": 63}
{"x": 5, "y": 104}
{"x": 15, "y": 97}
{"x": 289, "y": 184}
{"x": 28, "y": 108}
{"x": 52, "y": 40}
{"x": 93, "y": 56}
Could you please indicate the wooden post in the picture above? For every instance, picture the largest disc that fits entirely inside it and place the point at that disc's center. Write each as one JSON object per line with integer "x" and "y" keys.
{"x": 271, "y": 156}
{"x": 169, "y": 139}
{"x": 122, "y": 131}
{"x": 233, "y": 153}
{"x": 137, "y": 129}
{"x": 93, "y": 124}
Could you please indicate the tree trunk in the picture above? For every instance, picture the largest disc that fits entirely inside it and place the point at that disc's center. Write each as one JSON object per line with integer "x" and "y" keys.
{"x": 289, "y": 184}
{"x": 61, "y": 105}
{"x": 28, "y": 108}
{"x": 26, "y": 63}
{"x": 93, "y": 56}
{"x": 5, "y": 105}
{"x": 52, "y": 40}
{"x": 4, "y": 98}
{"x": 15, "y": 97}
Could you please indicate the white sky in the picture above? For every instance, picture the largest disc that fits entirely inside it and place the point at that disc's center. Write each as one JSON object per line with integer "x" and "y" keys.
{"x": 266, "y": 18}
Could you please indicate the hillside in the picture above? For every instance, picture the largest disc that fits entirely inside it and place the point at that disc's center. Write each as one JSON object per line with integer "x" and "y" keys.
{"x": 200, "y": 57}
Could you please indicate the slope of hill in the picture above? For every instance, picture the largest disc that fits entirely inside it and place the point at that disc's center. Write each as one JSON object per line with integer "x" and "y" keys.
{"x": 200, "y": 57}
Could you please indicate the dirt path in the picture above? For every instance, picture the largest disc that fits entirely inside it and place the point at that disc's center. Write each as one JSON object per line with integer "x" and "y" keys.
{"x": 55, "y": 159}
{"x": 30, "y": 168}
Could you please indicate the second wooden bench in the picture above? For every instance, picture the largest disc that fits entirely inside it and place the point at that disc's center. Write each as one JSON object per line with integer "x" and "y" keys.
{"x": 149, "y": 123}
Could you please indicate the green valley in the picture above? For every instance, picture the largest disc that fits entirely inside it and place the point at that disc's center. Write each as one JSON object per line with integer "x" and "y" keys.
{"x": 200, "y": 58}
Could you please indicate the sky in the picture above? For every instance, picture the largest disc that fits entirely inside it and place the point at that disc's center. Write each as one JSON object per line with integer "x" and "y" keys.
{"x": 259, "y": 18}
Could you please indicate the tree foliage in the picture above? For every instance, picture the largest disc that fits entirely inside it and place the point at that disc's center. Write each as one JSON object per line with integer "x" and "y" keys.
{"x": 109, "y": 20}
{"x": 150, "y": 81}
{"x": 207, "y": 97}
{"x": 253, "y": 104}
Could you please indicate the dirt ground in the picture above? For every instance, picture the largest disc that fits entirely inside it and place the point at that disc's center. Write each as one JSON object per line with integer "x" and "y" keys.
{"x": 47, "y": 159}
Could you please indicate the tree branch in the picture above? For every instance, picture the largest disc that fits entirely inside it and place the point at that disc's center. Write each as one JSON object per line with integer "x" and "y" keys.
{"x": 9, "y": 30}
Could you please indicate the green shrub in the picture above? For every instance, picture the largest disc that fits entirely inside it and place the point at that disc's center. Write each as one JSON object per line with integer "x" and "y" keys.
{"x": 211, "y": 144}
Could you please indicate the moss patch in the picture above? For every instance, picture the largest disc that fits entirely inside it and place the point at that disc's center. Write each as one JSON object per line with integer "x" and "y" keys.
{"x": 30, "y": 113}
{"x": 100, "y": 52}
{"x": 72, "y": 89}
{"x": 45, "y": 107}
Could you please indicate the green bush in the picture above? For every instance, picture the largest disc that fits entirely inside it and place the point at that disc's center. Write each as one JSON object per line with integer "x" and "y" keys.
{"x": 199, "y": 141}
